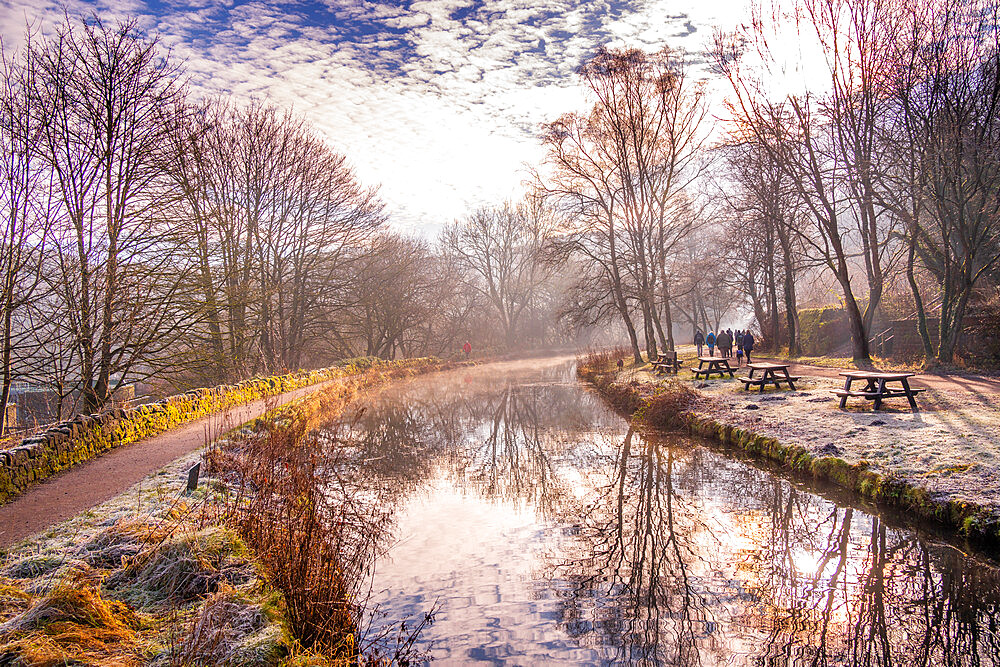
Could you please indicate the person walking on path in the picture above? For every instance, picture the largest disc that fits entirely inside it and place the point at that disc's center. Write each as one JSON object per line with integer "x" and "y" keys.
{"x": 748, "y": 344}
{"x": 699, "y": 340}
{"x": 467, "y": 348}
{"x": 710, "y": 341}
{"x": 723, "y": 341}
{"x": 729, "y": 343}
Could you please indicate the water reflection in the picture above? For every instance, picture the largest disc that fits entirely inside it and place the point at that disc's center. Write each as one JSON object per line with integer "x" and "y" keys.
{"x": 550, "y": 531}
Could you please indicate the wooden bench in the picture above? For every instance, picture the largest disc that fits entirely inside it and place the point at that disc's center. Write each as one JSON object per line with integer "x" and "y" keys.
{"x": 875, "y": 388}
{"x": 709, "y": 366}
{"x": 776, "y": 374}
{"x": 666, "y": 363}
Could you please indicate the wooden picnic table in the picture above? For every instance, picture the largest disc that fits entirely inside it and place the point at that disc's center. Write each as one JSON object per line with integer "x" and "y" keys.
{"x": 876, "y": 388}
{"x": 666, "y": 362}
{"x": 708, "y": 366}
{"x": 776, "y": 374}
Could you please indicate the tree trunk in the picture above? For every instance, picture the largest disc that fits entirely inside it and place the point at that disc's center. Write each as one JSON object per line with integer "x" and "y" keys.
{"x": 925, "y": 337}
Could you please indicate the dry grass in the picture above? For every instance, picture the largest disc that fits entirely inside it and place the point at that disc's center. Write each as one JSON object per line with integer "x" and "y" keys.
{"x": 314, "y": 530}
{"x": 72, "y": 624}
{"x": 659, "y": 402}
{"x": 184, "y": 568}
{"x": 670, "y": 401}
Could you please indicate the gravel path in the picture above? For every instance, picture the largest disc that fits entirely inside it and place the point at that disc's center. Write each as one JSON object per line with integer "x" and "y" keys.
{"x": 93, "y": 482}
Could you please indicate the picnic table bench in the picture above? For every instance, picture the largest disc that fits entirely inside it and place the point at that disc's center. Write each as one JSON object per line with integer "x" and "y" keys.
{"x": 776, "y": 374}
{"x": 666, "y": 362}
{"x": 876, "y": 388}
{"x": 708, "y": 366}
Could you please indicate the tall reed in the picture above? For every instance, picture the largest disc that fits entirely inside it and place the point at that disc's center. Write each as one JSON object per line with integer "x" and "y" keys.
{"x": 314, "y": 527}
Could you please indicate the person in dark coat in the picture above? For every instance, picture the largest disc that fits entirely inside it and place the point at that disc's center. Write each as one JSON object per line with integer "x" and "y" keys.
{"x": 724, "y": 342}
{"x": 699, "y": 340}
{"x": 748, "y": 344}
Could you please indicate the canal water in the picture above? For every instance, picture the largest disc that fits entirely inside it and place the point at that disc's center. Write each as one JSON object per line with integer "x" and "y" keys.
{"x": 542, "y": 529}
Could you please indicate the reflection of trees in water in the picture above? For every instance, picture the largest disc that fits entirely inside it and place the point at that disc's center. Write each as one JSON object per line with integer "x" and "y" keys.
{"x": 685, "y": 555}
{"x": 834, "y": 586}
{"x": 635, "y": 571}
{"x": 498, "y": 434}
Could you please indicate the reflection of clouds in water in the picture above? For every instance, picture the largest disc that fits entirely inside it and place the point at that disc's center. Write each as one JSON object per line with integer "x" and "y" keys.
{"x": 537, "y": 513}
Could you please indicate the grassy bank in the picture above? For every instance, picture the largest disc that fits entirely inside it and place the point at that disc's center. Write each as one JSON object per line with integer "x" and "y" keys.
{"x": 264, "y": 564}
{"x": 673, "y": 404}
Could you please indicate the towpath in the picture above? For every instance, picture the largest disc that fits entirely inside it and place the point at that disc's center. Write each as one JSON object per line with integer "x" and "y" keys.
{"x": 973, "y": 384}
{"x": 947, "y": 383}
{"x": 93, "y": 482}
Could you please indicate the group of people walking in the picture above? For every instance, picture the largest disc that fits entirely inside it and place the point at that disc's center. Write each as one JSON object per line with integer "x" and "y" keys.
{"x": 725, "y": 340}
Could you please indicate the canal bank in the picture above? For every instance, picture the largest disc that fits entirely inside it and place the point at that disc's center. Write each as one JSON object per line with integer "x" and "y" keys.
{"x": 702, "y": 409}
{"x": 238, "y": 571}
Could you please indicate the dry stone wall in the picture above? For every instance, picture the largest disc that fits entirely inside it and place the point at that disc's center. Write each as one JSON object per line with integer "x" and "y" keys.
{"x": 67, "y": 443}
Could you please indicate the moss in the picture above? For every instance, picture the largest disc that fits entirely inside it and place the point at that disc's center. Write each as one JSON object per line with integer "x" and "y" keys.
{"x": 69, "y": 443}
{"x": 969, "y": 519}
{"x": 821, "y": 330}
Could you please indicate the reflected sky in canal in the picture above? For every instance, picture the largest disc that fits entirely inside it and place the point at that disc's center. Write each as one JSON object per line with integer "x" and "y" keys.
{"x": 545, "y": 529}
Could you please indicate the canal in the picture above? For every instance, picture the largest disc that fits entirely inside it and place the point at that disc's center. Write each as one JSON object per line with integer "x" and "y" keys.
{"x": 542, "y": 529}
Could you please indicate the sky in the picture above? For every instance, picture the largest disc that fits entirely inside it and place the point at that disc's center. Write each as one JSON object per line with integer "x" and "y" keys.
{"x": 440, "y": 102}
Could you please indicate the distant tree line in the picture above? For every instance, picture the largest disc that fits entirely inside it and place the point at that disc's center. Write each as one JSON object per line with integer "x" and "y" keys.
{"x": 150, "y": 234}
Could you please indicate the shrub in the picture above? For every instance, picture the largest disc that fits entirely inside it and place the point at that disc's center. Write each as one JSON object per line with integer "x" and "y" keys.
{"x": 667, "y": 407}
{"x": 821, "y": 330}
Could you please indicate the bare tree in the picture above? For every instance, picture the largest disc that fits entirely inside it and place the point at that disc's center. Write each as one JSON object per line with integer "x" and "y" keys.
{"x": 826, "y": 142}
{"x": 501, "y": 251}
{"x": 764, "y": 237}
{"x": 106, "y": 90}
{"x": 943, "y": 132}
{"x": 23, "y": 187}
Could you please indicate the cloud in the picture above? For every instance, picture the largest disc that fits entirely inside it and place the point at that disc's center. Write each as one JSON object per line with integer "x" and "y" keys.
{"x": 440, "y": 101}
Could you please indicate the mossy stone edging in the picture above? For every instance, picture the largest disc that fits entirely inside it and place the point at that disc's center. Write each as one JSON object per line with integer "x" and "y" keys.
{"x": 84, "y": 437}
{"x": 969, "y": 519}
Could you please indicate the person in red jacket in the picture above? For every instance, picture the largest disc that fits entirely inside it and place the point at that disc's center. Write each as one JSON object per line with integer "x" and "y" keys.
{"x": 467, "y": 348}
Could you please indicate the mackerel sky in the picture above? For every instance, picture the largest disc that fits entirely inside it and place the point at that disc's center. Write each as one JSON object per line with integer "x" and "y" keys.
{"x": 439, "y": 101}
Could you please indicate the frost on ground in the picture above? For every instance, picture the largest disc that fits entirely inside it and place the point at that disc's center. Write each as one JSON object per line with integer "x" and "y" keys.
{"x": 951, "y": 447}
{"x": 140, "y": 579}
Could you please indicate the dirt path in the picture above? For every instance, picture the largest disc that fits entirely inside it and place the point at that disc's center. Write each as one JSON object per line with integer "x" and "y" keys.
{"x": 947, "y": 383}
{"x": 83, "y": 486}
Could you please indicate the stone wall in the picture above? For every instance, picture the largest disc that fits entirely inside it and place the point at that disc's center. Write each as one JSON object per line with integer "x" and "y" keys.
{"x": 67, "y": 443}
{"x": 823, "y": 330}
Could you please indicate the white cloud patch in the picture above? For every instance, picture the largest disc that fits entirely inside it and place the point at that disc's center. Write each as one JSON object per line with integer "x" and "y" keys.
{"x": 440, "y": 101}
